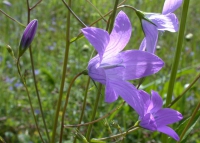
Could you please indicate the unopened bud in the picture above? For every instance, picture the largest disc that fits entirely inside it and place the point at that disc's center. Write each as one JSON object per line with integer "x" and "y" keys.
{"x": 28, "y": 36}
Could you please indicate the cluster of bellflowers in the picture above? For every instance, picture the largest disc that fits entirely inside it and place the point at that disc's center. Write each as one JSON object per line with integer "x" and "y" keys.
{"x": 114, "y": 68}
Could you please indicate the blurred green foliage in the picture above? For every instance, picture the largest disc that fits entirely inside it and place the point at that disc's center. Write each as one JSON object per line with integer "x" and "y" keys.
{"x": 16, "y": 121}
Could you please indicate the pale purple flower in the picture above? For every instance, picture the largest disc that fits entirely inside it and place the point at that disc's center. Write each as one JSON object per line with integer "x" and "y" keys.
{"x": 112, "y": 67}
{"x": 155, "y": 118}
{"x": 165, "y": 21}
{"x": 28, "y": 36}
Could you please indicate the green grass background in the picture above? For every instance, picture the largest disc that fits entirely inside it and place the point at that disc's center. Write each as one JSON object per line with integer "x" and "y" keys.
{"x": 16, "y": 121}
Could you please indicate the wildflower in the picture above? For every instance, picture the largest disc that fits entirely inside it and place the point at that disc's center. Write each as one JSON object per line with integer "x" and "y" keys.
{"x": 27, "y": 36}
{"x": 155, "y": 118}
{"x": 154, "y": 22}
{"x": 112, "y": 67}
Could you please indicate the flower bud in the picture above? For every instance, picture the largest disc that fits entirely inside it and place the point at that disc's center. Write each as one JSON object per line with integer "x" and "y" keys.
{"x": 27, "y": 36}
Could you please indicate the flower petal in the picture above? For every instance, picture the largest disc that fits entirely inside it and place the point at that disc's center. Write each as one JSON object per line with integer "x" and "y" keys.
{"x": 128, "y": 93}
{"x": 143, "y": 45}
{"x": 169, "y": 131}
{"x": 110, "y": 95}
{"x": 167, "y": 116}
{"x": 99, "y": 38}
{"x": 167, "y": 22}
{"x": 148, "y": 122}
{"x": 95, "y": 72}
{"x": 171, "y": 5}
{"x": 120, "y": 35}
{"x": 146, "y": 99}
{"x": 151, "y": 36}
{"x": 156, "y": 102}
{"x": 138, "y": 64}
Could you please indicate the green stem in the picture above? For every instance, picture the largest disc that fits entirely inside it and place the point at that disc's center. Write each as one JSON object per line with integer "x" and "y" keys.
{"x": 113, "y": 16}
{"x": 178, "y": 52}
{"x": 63, "y": 76}
{"x": 181, "y": 95}
{"x": 29, "y": 98}
{"x": 94, "y": 111}
{"x": 176, "y": 58}
{"x": 66, "y": 103}
{"x": 68, "y": 7}
{"x": 84, "y": 104}
{"x": 103, "y": 117}
{"x": 33, "y": 71}
{"x": 12, "y": 18}
{"x": 190, "y": 121}
{"x": 37, "y": 93}
{"x": 118, "y": 135}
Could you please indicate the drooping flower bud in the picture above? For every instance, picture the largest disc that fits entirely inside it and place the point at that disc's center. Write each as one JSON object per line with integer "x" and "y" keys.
{"x": 28, "y": 36}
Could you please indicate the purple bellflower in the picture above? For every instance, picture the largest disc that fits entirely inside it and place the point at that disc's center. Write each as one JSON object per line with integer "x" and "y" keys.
{"x": 160, "y": 22}
{"x": 112, "y": 67}
{"x": 28, "y": 36}
{"x": 155, "y": 118}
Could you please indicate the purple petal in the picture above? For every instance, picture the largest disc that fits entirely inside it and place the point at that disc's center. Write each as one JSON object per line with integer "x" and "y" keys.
{"x": 171, "y": 5}
{"x": 110, "y": 95}
{"x": 148, "y": 122}
{"x": 167, "y": 116}
{"x": 99, "y": 38}
{"x": 167, "y": 22}
{"x": 143, "y": 45}
{"x": 95, "y": 72}
{"x": 146, "y": 99}
{"x": 169, "y": 131}
{"x": 156, "y": 102}
{"x": 120, "y": 35}
{"x": 151, "y": 36}
{"x": 128, "y": 93}
{"x": 138, "y": 64}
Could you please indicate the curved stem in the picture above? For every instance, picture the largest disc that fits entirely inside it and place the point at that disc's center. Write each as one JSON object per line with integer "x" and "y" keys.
{"x": 29, "y": 99}
{"x": 12, "y": 18}
{"x": 190, "y": 121}
{"x": 63, "y": 76}
{"x": 66, "y": 103}
{"x": 35, "y": 5}
{"x": 84, "y": 104}
{"x": 103, "y": 117}
{"x": 118, "y": 135}
{"x": 94, "y": 111}
{"x": 181, "y": 95}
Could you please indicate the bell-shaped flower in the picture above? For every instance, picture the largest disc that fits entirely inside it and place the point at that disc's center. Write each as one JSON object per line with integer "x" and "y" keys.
{"x": 112, "y": 67}
{"x": 155, "y": 118}
{"x": 27, "y": 36}
{"x": 160, "y": 22}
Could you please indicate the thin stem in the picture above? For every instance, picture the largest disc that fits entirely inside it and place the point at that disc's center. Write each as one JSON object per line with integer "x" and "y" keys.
{"x": 103, "y": 117}
{"x": 113, "y": 16}
{"x": 68, "y": 7}
{"x": 118, "y": 135}
{"x": 37, "y": 93}
{"x": 97, "y": 10}
{"x": 35, "y": 5}
{"x": 34, "y": 77}
{"x": 178, "y": 52}
{"x": 63, "y": 75}
{"x": 190, "y": 121}
{"x": 29, "y": 98}
{"x": 94, "y": 111}
{"x": 181, "y": 95}
{"x": 66, "y": 103}
{"x": 84, "y": 104}
{"x": 12, "y": 18}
